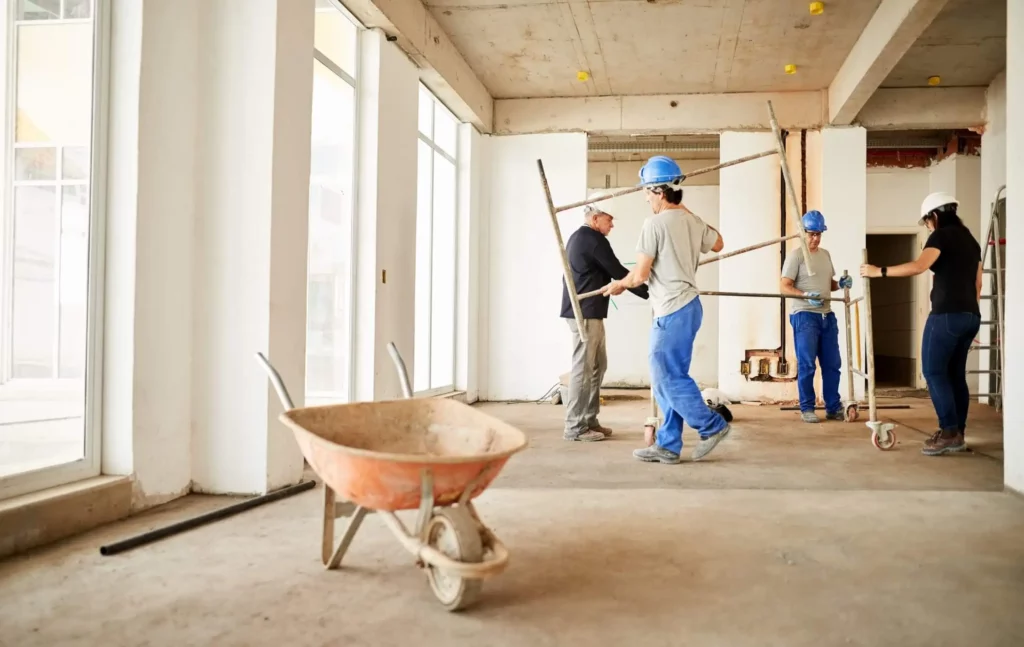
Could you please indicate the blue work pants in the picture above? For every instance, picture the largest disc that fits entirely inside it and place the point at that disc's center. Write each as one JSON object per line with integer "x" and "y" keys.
{"x": 944, "y": 348}
{"x": 676, "y": 393}
{"x": 816, "y": 337}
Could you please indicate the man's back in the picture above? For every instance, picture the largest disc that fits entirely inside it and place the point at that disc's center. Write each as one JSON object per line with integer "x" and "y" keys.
{"x": 593, "y": 265}
{"x": 675, "y": 239}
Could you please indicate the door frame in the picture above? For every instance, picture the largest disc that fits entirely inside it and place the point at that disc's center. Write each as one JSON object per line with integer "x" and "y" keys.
{"x": 922, "y": 286}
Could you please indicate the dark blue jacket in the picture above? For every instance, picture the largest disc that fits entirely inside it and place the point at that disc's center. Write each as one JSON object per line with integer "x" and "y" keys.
{"x": 594, "y": 266}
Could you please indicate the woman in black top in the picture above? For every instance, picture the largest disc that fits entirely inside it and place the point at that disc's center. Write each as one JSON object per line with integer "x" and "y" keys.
{"x": 954, "y": 257}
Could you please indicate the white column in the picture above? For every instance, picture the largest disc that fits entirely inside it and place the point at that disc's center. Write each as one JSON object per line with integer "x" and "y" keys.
{"x": 749, "y": 211}
{"x": 150, "y": 214}
{"x": 1013, "y": 417}
{"x": 386, "y": 215}
{"x": 843, "y": 201}
{"x": 472, "y": 211}
{"x": 249, "y": 271}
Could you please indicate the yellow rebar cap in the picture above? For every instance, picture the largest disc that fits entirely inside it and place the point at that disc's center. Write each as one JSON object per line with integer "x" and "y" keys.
{"x": 817, "y": 8}
{"x": 791, "y": 69}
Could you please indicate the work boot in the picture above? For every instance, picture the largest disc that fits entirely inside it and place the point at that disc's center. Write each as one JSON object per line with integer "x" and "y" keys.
{"x": 655, "y": 454}
{"x": 835, "y": 415}
{"x": 943, "y": 442}
{"x": 601, "y": 430}
{"x": 809, "y": 416}
{"x": 705, "y": 445}
{"x": 588, "y": 436}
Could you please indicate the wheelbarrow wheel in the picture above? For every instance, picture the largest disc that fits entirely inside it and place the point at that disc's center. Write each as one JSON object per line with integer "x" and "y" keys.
{"x": 454, "y": 532}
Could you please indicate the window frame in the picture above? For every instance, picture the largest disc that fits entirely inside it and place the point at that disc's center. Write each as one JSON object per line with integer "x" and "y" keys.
{"x": 436, "y": 149}
{"x": 90, "y": 464}
{"x": 350, "y": 280}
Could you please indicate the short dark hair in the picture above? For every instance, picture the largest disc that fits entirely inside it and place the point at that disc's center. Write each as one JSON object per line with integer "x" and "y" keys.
{"x": 672, "y": 196}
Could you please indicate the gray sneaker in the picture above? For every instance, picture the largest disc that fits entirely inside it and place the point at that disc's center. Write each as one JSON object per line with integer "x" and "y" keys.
{"x": 835, "y": 415}
{"x": 809, "y": 416}
{"x": 589, "y": 436}
{"x": 705, "y": 445}
{"x": 655, "y": 454}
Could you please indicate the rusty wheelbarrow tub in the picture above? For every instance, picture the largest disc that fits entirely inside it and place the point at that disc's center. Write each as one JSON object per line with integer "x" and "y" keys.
{"x": 430, "y": 455}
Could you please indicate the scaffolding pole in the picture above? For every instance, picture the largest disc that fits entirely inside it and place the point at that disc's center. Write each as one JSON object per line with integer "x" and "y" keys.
{"x": 798, "y": 208}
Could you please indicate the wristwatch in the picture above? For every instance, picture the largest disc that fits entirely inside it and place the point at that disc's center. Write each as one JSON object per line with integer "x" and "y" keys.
{"x": 885, "y": 271}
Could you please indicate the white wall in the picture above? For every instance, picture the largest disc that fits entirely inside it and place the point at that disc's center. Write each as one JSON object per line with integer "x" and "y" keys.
{"x": 386, "y": 213}
{"x": 749, "y": 214}
{"x": 894, "y": 198}
{"x": 1013, "y": 418}
{"x": 993, "y": 176}
{"x": 629, "y": 319}
{"x": 527, "y": 345}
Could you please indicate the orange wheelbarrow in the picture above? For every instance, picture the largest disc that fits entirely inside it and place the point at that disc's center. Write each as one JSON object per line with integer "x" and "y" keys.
{"x": 430, "y": 455}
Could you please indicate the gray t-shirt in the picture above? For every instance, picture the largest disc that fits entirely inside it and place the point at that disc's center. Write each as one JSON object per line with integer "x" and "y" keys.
{"x": 675, "y": 240}
{"x": 795, "y": 269}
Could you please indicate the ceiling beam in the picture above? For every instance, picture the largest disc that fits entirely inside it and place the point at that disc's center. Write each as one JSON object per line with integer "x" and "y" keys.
{"x": 658, "y": 114}
{"x": 892, "y": 30}
{"x": 443, "y": 69}
{"x": 924, "y": 109}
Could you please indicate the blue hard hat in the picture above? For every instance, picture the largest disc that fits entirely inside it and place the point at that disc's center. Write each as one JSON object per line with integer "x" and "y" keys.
{"x": 814, "y": 221}
{"x": 660, "y": 170}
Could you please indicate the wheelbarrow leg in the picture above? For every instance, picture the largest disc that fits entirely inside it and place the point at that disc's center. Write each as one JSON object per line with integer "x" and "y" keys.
{"x": 330, "y": 555}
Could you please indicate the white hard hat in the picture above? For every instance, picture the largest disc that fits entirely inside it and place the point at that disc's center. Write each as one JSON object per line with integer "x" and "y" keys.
{"x": 933, "y": 201}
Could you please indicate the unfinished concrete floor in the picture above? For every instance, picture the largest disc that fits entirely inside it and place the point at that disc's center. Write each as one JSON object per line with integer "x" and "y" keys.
{"x": 792, "y": 535}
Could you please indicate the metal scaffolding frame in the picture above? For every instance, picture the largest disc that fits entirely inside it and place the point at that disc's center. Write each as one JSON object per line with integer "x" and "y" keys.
{"x": 882, "y": 435}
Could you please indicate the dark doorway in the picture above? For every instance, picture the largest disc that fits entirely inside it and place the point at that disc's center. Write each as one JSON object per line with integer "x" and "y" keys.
{"x": 893, "y": 316}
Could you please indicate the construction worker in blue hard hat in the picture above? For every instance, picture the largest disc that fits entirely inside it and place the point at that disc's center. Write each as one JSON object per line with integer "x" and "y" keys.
{"x": 815, "y": 329}
{"x": 671, "y": 242}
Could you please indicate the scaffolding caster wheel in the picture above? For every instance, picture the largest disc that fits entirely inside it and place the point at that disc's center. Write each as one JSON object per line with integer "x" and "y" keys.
{"x": 851, "y": 412}
{"x": 882, "y": 435}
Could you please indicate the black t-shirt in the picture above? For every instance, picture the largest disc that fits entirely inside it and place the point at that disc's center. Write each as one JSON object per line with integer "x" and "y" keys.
{"x": 954, "y": 288}
{"x": 593, "y": 265}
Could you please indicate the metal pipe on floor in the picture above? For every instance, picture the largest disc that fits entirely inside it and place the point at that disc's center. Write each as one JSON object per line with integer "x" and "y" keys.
{"x": 203, "y": 519}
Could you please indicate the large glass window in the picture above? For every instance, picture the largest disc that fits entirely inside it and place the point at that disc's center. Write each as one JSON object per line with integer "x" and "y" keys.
{"x": 434, "y": 370}
{"x": 331, "y": 202}
{"x": 48, "y": 231}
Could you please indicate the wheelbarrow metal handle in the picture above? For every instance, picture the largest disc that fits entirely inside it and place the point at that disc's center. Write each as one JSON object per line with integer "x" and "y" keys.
{"x": 403, "y": 374}
{"x": 275, "y": 379}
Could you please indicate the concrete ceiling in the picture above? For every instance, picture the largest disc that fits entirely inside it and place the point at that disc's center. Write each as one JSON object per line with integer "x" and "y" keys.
{"x": 534, "y": 48}
{"x": 965, "y": 45}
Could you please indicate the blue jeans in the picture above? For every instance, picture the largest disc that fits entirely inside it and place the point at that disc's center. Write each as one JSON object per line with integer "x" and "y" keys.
{"x": 816, "y": 337}
{"x": 675, "y": 391}
{"x": 944, "y": 348}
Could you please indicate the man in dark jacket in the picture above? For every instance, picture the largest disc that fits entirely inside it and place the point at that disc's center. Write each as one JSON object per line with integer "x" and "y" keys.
{"x": 594, "y": 266}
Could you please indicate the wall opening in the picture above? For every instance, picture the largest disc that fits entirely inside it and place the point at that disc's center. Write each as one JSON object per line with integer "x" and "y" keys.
{"x": 893, "y": 317}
